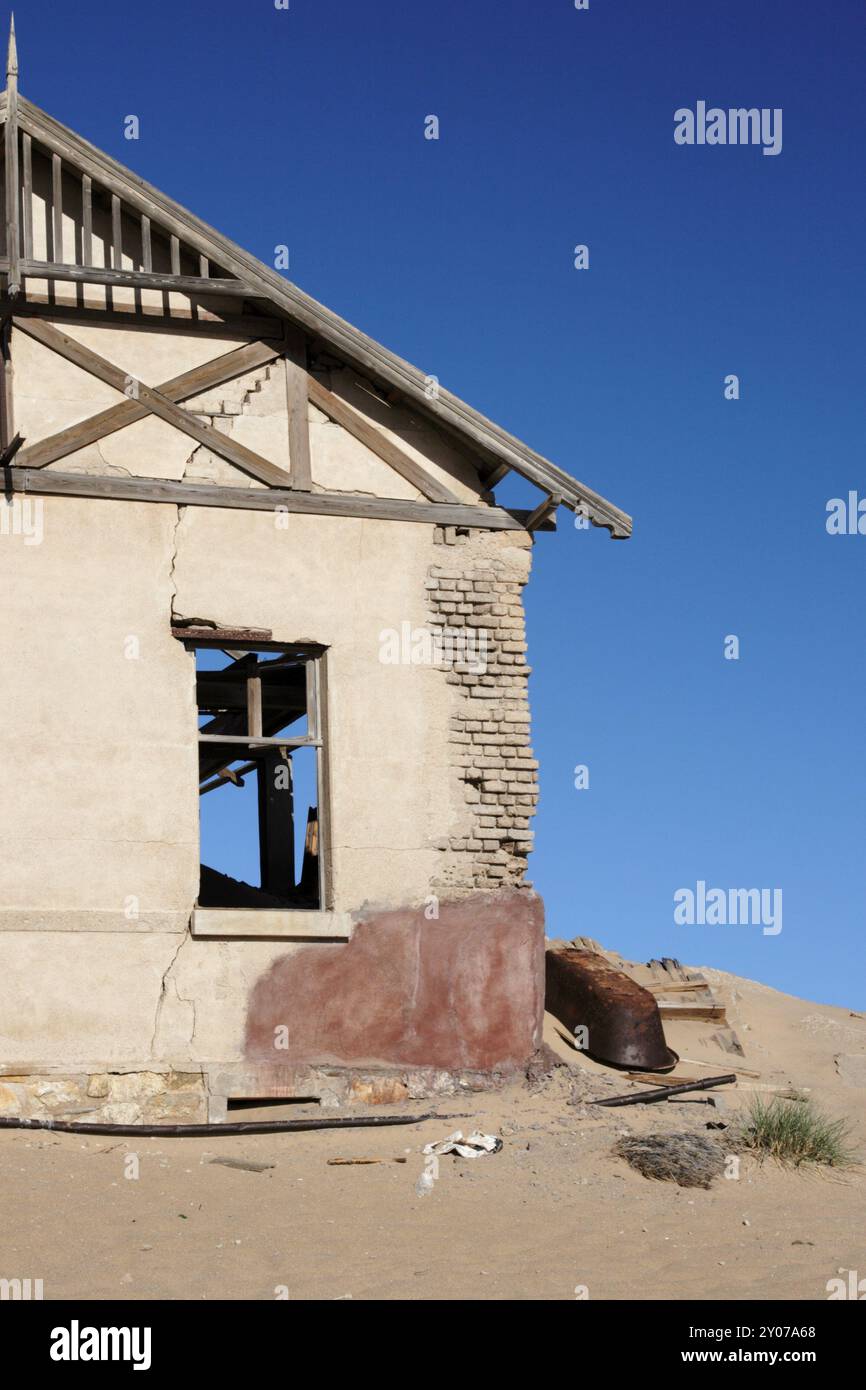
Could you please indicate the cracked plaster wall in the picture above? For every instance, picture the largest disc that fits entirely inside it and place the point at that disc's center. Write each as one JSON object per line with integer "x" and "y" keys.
{"x": 98, "y": 805}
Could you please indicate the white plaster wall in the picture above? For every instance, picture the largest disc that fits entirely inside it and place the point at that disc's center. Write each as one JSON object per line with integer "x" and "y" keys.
{"x": 98, "y": 800}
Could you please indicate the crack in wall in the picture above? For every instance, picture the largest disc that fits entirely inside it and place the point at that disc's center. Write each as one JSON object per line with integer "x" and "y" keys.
{"x": 172, "y": 579}
{"x": 160, "y": 1003}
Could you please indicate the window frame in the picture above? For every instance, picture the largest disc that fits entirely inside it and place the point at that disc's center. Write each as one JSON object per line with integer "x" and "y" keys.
{"x": 263, "y": 920}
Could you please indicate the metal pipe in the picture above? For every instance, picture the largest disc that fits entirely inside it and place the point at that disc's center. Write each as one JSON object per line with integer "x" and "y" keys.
{"x": 209, "y": 1131}
{"x": 649, "y": 1097}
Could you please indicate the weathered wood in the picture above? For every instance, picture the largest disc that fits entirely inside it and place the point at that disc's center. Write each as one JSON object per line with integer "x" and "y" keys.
{"x": 691, "y": 1011}
{"x": 134, "y": 279}
{"x": 47, "y": 483}
{"x": 57, "y": 206}
{"x": 116, "y": 233}
{"x": 276, "y": 824}
{"x": 177, "y": 320}
{"x": 175, "y": 256}
{"x": 344, "y": 414}
{"x": 297, "y": 379}
{"x": 204, "y": 267}
{"x": 27, "y": 199}
{"x": 13, "y": 247}
{"x": 254, "y": 706}
{"x": 8, "y": 451}
{"x": 219, "y": 636}
{"x": 293, "y": 741}
{"x": 323, "y": 781}
{"x": 117, "y": 417}
{"x": 495, "y": 475}
{"x": 543, "y": 511}
{"x": 492, "y": 444}
{"x": 223, "y": 445}
{"x": 86, "y": 220}
{"x": 146, "y": 246}
{"x": 6, "y": 398}
{"x": 312, "y": 698}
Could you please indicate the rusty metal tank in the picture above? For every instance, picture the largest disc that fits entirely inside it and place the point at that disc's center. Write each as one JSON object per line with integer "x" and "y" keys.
{"x": 622, "y": 1019}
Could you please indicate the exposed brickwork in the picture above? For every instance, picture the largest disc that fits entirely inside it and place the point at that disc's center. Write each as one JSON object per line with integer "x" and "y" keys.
{"x": 478, "y": 586}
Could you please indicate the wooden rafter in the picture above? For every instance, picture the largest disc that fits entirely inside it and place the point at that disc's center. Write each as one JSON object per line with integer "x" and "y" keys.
{"x": 543, "y": 511}
{"x": 344, "y": 414}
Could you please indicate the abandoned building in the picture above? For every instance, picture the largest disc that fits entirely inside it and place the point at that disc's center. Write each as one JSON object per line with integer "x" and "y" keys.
{"x": 268, "y": 783}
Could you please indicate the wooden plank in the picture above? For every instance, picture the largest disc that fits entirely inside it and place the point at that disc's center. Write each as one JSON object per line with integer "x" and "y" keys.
{"x": 344, "y": 414}
{"x": 495, "y": 476}
{"x": 57, "y": 207}
{"x": 134, "y": 279}
{"x": 146, "y": 247}
{"x": 254, "y": 706}
{"x": 86, "y": 220}
{"x": 654, "y": 1078}
{"x": 177, "y": 321}
{"x": 312, "y": 694}
{"x": 276, "y": 824}
{"x": 117, "y": 417}
{"x": 47, "y": 483}
{"x": 323, "y": 783}
{"x": 300, "y": 468}
{"x": 676, "y": 986}
{"x": 175, "y": 256}
{"x": 223, "y": 445}
{"x": 116, "y": 233}
{"x": 699, "y": 1062}
{"x": 219, "y": 636}
{"x": 13, "y": 246}
{"x": 296, "y": 741}
{"x": 543, "y": 511}
{"x": 203, "y": 267}
{"x": 6, "y": 395}
{"x": 691, "y": 1011}
{"x": 27, "y": 202}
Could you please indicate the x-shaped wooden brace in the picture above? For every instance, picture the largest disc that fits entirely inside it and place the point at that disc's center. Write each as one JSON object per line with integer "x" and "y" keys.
{"x": 161, "y": 401}
{"x": 146, "y": 400}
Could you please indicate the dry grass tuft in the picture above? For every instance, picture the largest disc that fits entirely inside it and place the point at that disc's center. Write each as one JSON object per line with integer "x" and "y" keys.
{"x": 692, "y": 1160}
{"x": 794, "y": 1132}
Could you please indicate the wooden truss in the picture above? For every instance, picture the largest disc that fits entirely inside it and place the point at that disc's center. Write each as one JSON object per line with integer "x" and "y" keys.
{"x": 121, "y": 233}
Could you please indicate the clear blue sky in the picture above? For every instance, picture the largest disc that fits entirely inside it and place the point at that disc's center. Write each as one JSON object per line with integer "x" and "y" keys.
{"x": 305, "y": 127}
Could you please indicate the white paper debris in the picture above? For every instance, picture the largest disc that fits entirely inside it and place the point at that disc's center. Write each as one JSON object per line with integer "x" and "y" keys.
{"x": 473, "y": 1146}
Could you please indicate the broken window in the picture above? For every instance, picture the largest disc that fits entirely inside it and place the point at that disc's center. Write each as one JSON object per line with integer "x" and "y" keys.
{"x": 260, "y": 775}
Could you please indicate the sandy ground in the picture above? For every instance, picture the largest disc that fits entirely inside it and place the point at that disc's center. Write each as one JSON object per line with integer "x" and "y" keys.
{"x": 553, "y": 1211}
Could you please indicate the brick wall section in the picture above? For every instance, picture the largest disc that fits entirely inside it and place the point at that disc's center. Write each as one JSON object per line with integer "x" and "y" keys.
{"x": 478, "y": 585}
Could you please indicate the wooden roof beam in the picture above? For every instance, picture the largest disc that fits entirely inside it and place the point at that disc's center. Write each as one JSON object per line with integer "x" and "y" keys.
{"x": 45, "y": 482}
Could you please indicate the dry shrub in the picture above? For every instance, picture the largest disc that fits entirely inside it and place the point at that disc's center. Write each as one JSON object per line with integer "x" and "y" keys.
{"x": 692, "y": 1160}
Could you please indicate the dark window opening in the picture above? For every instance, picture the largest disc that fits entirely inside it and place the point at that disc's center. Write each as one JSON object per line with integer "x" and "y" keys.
{"x": 260, "y": 775}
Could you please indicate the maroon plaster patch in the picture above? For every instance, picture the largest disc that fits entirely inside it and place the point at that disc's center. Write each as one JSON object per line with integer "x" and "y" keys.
{"x": 463, "y": 992}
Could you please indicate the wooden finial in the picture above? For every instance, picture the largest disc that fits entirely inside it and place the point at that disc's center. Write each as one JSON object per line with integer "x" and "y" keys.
{"x": 12, "y": 53}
